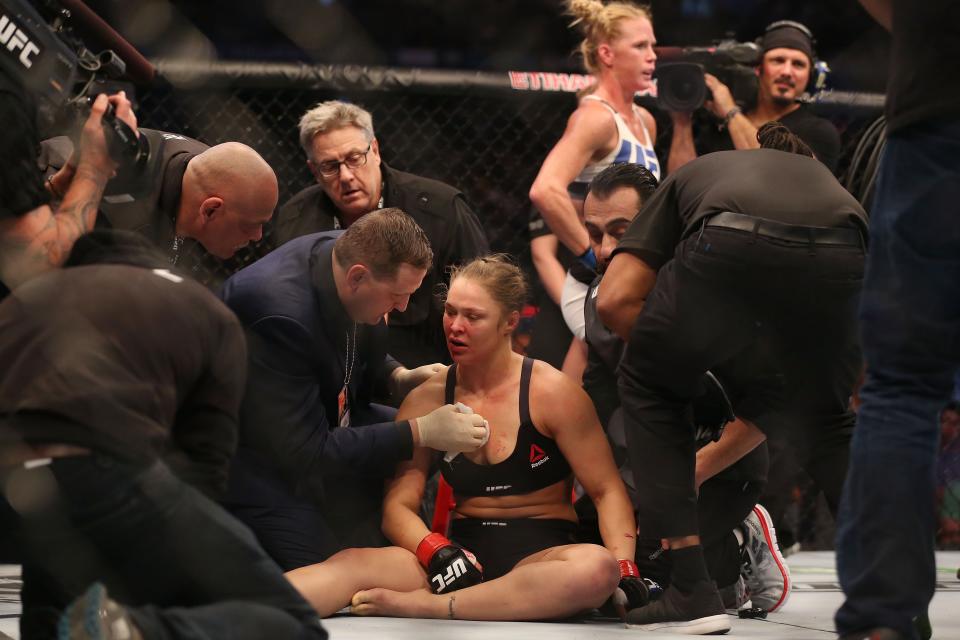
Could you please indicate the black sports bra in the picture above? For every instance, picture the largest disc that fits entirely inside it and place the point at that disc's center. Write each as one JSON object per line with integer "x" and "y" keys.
{"x": 536, "y": 461}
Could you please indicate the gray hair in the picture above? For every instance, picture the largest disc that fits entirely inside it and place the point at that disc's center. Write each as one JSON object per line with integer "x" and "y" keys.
{"x": 330, "y": 115}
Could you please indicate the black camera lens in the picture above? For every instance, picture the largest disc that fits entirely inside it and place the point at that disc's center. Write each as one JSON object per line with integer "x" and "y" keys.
{"x": 680, "y": 86}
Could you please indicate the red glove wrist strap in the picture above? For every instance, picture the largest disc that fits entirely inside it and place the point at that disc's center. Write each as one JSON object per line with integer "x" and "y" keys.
{"x": 628, "y": 568}
{"x": 429, "y": 545}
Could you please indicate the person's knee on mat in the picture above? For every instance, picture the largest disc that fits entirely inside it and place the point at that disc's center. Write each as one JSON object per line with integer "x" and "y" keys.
{"x": 329, "y": 586}
{"x": 594, "y": 574}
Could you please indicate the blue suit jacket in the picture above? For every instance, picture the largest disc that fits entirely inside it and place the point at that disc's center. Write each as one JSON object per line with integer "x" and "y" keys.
{"x": 297, "y": 333}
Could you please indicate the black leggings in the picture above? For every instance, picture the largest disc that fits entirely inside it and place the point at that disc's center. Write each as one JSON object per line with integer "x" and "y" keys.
{"x": 500, "y": 544}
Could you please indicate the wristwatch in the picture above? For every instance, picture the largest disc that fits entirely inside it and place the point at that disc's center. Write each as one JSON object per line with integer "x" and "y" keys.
{"x": 730, "y": 115}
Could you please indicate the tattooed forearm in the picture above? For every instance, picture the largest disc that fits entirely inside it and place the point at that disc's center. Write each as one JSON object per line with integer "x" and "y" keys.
{"x": 75, "y": 215}
{"x": 41, "y": 239}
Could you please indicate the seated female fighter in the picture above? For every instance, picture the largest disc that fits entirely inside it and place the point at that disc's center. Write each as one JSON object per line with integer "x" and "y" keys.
{"x": 513, "y": 554}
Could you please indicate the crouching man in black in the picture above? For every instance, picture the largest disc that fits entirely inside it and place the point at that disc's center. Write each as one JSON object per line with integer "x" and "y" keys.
{"x": 734, "y": 250}
{"x": 119, "y": 392}
{"x": 731, "y": 469}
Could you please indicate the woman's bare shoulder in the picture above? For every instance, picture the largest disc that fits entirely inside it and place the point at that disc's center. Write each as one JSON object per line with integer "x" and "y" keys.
{"x": 426, "y": 397}
{"x": 545, "y": 374}
{"x": 554, "y": 396}
{"x": 593, "y": 114}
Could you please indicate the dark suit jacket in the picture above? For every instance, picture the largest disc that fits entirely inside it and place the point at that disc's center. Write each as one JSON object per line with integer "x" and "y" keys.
{"x": 416, "y": 335}
{"x": 297, "y": 340}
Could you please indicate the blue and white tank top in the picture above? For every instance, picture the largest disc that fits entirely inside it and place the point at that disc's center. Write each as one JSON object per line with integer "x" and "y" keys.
{"x": 627, "y": 149}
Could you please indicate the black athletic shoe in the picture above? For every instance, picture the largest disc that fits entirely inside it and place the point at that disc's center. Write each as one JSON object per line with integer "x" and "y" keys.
{"x": 699, "y": 612}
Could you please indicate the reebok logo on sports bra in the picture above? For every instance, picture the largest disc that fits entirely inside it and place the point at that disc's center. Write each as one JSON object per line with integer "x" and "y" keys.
{"x": 537, "y": 456}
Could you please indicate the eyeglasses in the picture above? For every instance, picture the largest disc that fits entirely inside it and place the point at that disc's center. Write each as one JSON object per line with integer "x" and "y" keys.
{"x": 355, "y": 160}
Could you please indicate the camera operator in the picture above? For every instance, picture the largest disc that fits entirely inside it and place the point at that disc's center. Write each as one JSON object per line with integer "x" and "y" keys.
{"x": 784, "y": 74}
{"x": 36, "y": 237}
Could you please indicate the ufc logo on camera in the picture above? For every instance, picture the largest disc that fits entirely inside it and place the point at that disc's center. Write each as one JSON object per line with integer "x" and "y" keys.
{"x": 456, "y": 569}
{"x": 13, "y": 38}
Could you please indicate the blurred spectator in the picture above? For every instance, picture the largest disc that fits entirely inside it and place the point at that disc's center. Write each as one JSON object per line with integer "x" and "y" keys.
{"x": 948, "y": 478}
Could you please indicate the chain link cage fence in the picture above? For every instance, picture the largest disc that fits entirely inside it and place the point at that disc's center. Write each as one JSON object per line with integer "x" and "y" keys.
{"x": 485, "y": 133}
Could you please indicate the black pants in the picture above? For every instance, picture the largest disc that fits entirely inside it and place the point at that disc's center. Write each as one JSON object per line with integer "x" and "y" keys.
{"x": 790, "y": 461}
{"x": 297, "y": 530}
{"x": 725, "y": 500}
{"x": 725, "y": 293}
{"x": 178, "y": 561}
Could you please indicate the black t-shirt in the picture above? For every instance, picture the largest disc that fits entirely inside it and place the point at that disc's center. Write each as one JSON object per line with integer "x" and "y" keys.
{"x": 764, "y": 183}
{"x": 21, "y": 184}
{"x": 134, "y": 362}
{"x": 819, "y": 134}
{"x": 925, "y": 62}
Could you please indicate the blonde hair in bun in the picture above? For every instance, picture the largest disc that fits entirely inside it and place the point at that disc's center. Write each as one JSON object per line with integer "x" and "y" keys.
{"x": 599, "y": 22}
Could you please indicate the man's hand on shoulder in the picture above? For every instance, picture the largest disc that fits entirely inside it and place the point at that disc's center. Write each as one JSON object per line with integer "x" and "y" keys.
{"x": 403, "y": 380}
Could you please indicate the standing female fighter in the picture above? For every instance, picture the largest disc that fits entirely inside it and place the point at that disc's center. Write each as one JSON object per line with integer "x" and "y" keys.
{"x": 513, "y": 555}
{"x": 607, "y": 127}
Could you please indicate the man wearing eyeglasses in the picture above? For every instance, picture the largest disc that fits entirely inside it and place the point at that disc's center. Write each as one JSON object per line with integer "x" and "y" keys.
{"x": 352, "y": 180}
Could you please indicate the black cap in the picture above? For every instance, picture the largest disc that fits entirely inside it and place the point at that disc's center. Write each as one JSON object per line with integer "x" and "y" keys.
{"x": 789, "y": 35}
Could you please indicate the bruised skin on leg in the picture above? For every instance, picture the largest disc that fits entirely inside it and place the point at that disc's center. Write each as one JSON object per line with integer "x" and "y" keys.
{"x": 330, "y": 585}
{"x": 554, "y": 583}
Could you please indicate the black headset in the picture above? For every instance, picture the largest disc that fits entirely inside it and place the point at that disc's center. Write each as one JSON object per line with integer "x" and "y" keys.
{"x": 819, "y": 69}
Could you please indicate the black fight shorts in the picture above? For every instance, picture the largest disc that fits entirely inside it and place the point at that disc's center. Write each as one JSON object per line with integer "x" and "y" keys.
{"x": 500, "y": 544}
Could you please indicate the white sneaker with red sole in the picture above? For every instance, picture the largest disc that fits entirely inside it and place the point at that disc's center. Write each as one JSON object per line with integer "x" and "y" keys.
{"x": 764, "y": 569}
